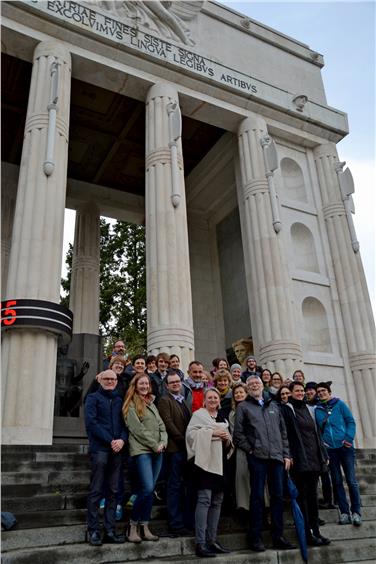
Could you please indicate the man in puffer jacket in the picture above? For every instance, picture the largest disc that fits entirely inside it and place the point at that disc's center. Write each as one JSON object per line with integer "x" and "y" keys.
{"x": 337, "y": 426}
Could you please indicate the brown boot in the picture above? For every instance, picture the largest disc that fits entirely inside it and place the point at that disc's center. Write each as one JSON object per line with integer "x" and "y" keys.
{"x": 132, "y": 533}
{"x": 146, "y": 533}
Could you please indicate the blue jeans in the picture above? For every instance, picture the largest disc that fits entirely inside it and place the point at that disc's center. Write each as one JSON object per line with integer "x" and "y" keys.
{"x": 344, "y": 457}
{"x": 105, "y": 470}
{"x": 148, "y": 467}
{"x": 175, "y": 466}
{"x": 261, "y": 470}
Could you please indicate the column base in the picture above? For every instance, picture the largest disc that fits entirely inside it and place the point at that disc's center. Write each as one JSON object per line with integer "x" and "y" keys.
{"x": 283, "y": 356}
{"x": 26, "y": 436}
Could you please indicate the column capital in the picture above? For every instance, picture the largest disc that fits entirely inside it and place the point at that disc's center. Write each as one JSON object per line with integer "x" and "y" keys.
{"x": 162, "y": 89}
{"x": 88, "y": 207}
{"x": 326, "y": 150}
{"x": 52, "y": 48}
{"x": 252, "y": 122}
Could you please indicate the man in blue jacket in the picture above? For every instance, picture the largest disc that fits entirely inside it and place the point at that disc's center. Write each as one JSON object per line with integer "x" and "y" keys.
{"x": 107, "y": 434}
{"x": 337, "y": 426}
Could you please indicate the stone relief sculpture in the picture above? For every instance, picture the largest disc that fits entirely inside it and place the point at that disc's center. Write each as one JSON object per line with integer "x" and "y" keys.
{"x": 166, "y": 18}
{"x": 242, "y": 349}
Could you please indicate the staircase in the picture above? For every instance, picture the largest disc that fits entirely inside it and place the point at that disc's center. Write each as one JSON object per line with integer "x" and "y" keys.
{"x": 46, "y": 488}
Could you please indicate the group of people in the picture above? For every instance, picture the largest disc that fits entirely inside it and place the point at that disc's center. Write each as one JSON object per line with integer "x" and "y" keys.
{"x": 207, "y": 431}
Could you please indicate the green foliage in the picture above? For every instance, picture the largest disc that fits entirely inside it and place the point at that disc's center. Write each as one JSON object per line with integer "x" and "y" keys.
{"x": 122, "y": 284}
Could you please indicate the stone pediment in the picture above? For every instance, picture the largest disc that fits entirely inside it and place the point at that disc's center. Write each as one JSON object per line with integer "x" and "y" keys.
{"x": 168, "y": 19}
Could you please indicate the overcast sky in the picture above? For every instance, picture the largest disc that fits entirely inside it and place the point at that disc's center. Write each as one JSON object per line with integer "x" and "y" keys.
{"x": 344, "y": 33}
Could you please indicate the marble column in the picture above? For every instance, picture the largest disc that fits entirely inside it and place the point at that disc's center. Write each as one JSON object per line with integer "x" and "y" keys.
{"x": 169, "y": 297}
{"x": 352, "y": 291}
{"x": 84, "y": 288}
{"x": 8, "y": 204}
{"x": 274, "y": 328}
{"x": 29, "y": 355}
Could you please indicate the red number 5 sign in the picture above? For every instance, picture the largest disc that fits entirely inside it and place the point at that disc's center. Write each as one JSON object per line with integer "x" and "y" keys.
{"x": 8, "y": 315}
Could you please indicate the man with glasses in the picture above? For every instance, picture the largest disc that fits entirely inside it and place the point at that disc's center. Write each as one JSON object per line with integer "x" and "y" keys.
{"x": 337, "y": 426}
{"x": 176, "y": 413}
{"x": 119, "y": 349}
{"x": 260, "y": 431}
{"x": 107, "y": 434}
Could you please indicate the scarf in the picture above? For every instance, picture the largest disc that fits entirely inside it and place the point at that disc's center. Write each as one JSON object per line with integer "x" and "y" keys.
{"x": 195, "y": 385}
{"x": 202, "y": 446}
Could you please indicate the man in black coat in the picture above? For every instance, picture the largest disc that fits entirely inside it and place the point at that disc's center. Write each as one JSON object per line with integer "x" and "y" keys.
{"x": 107, "y": 434}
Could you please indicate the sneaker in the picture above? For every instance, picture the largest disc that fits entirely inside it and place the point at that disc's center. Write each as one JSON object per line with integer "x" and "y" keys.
{"x": 119, "y": 513}
{"x": 356, "y": 519}
{"x": 344, "y": 519}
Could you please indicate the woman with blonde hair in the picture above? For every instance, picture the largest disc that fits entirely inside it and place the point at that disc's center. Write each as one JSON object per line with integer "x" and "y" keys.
{"x": 147, "y": 441}
{"x": 208, "y": 441}
{"x": 222, "y": 382}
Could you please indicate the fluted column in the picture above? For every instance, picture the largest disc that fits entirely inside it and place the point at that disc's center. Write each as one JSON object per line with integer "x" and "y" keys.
{"x": 8, "y": 205}
{"x": 269, "y": 284}
{"x": 352, "y": 291}
{"x": 29, "y": 355}
{"x": 169, "y": 297}
{"x": 84, "y": 289}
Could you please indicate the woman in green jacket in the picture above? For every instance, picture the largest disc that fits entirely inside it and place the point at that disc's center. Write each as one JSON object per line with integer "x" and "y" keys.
{"x": 147, "y": 441}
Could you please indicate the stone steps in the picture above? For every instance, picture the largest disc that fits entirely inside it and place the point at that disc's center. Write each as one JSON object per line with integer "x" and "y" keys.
{"x": 55, "y": 518}
{"x": 361, "y": 546}
{"x": 46, "y": 489}
{"x": 51, "y": 536}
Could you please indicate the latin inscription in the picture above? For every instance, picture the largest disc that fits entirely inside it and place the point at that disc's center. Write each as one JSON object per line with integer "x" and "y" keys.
{"x": 161, "y": 49}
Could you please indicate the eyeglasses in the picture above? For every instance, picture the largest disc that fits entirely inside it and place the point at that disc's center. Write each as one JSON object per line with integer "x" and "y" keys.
{"x": 174, "y": 382}
{"x": 109, "y": 379}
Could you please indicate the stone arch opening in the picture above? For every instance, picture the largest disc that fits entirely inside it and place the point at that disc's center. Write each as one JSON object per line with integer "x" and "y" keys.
{"x": 316, "y": 334}
{"x": 293, "y": 180}
{"x": 303, "y": 244}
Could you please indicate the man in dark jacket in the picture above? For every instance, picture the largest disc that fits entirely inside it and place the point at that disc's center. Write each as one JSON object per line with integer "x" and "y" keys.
{"x": 251, "y": 368}
{"x": 260, "y": 431}
{"x": 107, "y": 434}
{"x": 176, "y": 414}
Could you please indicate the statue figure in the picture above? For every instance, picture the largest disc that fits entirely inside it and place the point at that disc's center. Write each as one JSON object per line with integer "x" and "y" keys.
{"x": 242, "y": 349}
{"x": 166, "y": 18}
{"x": 68, "y": 391}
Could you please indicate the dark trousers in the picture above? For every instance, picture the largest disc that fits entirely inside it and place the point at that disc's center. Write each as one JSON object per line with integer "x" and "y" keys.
{"x": 105, "y": 469}
{"x": 175, "y": 468}
{"x": 306, "y": 483}
{"x": 344, "y": 458}
{"x": 261, "y": 470}
{"x": 326, "y": 484}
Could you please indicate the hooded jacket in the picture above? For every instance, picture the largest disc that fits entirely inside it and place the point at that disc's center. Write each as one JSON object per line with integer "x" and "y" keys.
{"x": 336, "y": 422}
{"x": 260, "y": 430}
{"x": 146, "y": 433}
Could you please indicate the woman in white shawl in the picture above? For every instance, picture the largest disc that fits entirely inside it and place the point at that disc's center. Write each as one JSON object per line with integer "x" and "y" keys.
{"x": 208, "y": 440}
